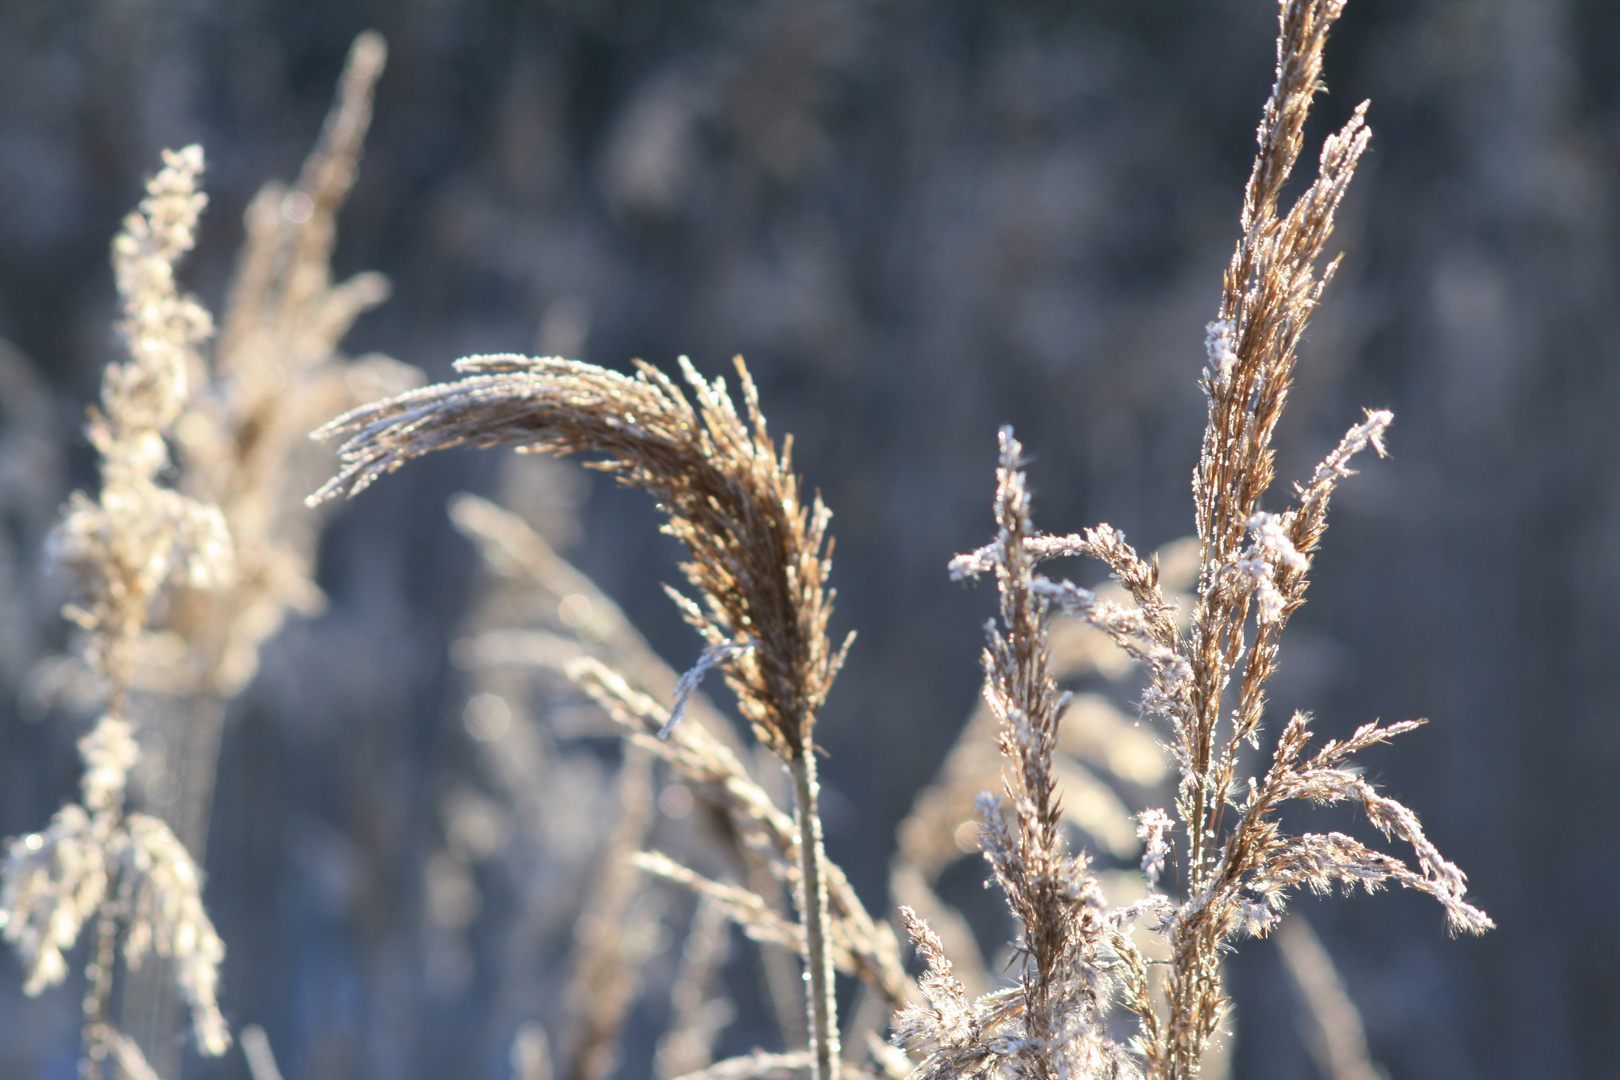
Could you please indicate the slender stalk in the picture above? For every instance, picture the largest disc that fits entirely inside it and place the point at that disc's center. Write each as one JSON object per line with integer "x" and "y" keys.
{"x": 821, "y": 1007}
{"x": 604, "y": 984}
{"x": 100, "y": 975}
{"x": 151, "y": 1009}
{"x": 761, "y": 556}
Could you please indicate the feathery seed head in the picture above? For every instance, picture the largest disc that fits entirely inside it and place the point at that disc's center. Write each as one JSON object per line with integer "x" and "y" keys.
{"x": 761, "y": 557}
{"x": 1206, "y": 681}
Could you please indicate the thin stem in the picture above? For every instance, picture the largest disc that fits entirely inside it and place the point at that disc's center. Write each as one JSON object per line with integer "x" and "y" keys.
{"x": 100, "y": 974}
{"x": 151, "y": 1008}
{"x": 821, "y": 1008}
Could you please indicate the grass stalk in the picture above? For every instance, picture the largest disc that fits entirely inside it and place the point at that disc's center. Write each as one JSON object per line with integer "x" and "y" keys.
{"x": 821, "y": 1006}
{"x": 761, "y": 554}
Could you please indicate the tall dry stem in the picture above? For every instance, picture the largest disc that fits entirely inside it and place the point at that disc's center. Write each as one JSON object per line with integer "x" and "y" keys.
{"x": 759, "y": 555}
{"x": 98, "y": 863}
{"x": 1207, "y": 684}
{"x": 275, "y": 371}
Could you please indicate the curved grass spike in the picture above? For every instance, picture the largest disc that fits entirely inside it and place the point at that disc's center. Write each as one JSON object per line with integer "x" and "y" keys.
{"x": 760, "y": 556}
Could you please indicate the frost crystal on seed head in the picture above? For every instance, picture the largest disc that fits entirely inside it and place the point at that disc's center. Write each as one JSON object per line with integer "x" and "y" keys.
{"x": 1270, "y": 532}
{"x": 1256, "y": 917}
{"x": 1222, "y": 352}
{"x": 1153, "y": 829}
{"x": 1270, "y": 551}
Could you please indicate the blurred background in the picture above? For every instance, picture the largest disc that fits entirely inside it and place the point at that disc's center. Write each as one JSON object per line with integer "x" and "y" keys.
{"x": 918, "y": 220}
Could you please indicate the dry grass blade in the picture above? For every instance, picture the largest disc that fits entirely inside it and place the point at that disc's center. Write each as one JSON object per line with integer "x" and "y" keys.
{"x": 260, "y": 1057}
{"x": 531, "y": 1053}
{"x": 747, "y": 909}
{"x": 1336, "y": 1037}
{"x": 717, "y": 777}
{"x": 128, "y": 1054}
{"x": 755, "y": 1066}
{"x": 697, "y": 1018}
{"x": 516, "y": 550}
{"x": 608, "y": 961}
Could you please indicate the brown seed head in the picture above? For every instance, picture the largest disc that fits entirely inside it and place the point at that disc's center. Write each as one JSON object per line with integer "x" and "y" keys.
{"x": 760, "y": 557}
